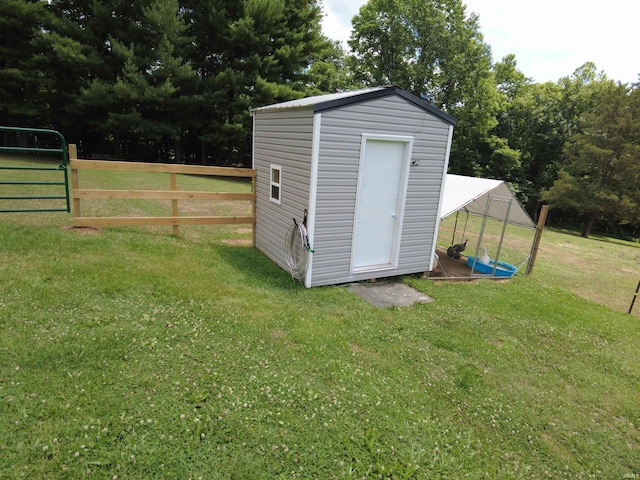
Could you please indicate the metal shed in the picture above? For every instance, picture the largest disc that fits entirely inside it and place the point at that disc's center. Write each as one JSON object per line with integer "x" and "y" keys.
{"x": 366, "y": 169}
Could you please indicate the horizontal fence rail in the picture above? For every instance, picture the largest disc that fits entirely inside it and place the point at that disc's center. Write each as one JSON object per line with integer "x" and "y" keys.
{"x": 78, "y": 194}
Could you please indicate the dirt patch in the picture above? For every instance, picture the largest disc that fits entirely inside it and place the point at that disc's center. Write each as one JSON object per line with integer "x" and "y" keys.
{"x": 450, "y": 267}
{"x": 358, "y": 348}
{"x": 237, "y": 208}
{"x": 83, "y": 230}
{"x": 458, "y": 268}
{"x": 237, "y": 241}
{"x": 279, "y": 334}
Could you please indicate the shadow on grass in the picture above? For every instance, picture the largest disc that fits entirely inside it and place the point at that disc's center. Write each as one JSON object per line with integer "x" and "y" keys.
{"x": 257, "y": 267}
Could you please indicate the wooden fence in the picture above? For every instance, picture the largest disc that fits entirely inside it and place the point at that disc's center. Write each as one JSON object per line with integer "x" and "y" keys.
{"x": 175, "y": 195}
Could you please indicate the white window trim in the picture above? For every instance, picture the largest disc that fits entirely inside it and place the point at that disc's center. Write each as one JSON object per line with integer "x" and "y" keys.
{"x": 275, "y": 184}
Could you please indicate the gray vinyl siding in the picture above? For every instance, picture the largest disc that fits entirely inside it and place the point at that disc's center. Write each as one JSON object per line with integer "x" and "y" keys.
{"x": 284, "y": 138}
{"x": 338, "y": 163}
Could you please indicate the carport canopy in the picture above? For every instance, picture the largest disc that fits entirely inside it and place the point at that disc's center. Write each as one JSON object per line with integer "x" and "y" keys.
{"x": 471, "y": 194}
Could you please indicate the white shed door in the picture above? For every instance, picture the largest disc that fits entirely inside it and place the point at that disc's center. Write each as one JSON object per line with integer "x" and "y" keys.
{"x": 382, "y": 188}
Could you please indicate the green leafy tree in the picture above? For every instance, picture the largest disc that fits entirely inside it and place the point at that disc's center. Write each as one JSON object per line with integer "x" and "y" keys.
{"x": 602, "y": 171}
{"x": 330, "y": 72}
{"x": 538, "y": 119}
{"x": 500, "y": 159}
{"x": 533, "y": 125}
{"x": 510, "y": 81}
{"x": 383, "y": 44}
{"x": 435, "y": 50}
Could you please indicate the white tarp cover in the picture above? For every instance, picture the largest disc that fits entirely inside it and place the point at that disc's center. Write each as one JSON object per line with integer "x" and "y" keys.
{"x": 471, "y": 195}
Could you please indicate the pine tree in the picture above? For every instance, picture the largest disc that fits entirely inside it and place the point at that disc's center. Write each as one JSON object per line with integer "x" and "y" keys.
{"x": 24, "y": 84}
{"x": 601, "y": 174}
{"x": 249, "y": 53}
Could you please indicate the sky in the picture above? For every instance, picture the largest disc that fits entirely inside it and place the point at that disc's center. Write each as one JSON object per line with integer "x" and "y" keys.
{"x": 550, "y": 38}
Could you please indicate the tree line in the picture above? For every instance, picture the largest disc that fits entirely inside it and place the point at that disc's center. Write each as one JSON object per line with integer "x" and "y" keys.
{"x": 174, "y": 81}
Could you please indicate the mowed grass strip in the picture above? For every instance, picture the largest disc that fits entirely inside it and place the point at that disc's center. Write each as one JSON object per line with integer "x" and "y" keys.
{"x": 137, "y": 354}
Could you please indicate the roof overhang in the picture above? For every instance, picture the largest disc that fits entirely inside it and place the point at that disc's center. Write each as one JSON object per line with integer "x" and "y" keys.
{"x": 472, "y": 195}
{"x": 332, "y": 101}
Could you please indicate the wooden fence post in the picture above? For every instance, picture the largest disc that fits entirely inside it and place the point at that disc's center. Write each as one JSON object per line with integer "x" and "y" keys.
{"x": 253, "y": 211}
{"x": 542, "y": 219}
{"x": 633, "y": 300}
{"x": 174, "y": 203}
{"x": 75, "y": 181}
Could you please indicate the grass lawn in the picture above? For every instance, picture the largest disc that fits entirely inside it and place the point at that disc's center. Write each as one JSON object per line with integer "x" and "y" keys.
{"x": 131, "y": 353}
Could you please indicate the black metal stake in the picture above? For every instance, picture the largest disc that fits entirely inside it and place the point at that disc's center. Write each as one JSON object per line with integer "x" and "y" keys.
{"x": 634, "y": 297}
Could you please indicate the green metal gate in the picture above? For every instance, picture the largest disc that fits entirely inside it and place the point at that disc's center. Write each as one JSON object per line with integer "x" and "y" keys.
{"x": 59, "y": 183}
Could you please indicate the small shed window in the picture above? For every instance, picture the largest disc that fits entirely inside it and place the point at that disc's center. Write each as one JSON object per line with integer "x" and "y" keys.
{"x": 276, "y": 183}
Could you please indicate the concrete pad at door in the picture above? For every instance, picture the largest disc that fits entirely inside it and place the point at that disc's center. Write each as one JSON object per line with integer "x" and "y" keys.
{"x": 389, "y": 294}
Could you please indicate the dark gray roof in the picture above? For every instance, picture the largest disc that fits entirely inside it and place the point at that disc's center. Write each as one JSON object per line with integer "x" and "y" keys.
{"x": 322, "y": 103}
